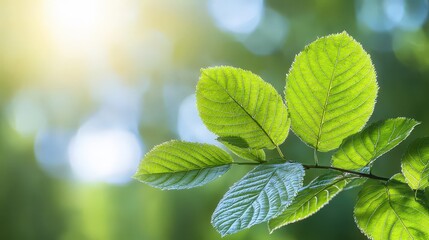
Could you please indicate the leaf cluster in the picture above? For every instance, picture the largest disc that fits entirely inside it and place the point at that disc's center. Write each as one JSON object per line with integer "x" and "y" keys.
{"x": 330, "y": 94}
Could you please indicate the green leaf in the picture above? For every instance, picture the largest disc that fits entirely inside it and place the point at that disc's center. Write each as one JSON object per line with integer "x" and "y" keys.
{"x": 235, "y": 102}
{"x": 259, "y": 196}
{"x": 311, "y": 199}
{"x": 234, "y": 140}
{"x": 182, "y": 165}
{"x": 390, "y": 211}
{"x": 361, "y": 149}
{"x": 257, "y": 155}
{"x": 330, "y": 91}
{"x": 415, "y": 164}
{"x": 357, "y": 181}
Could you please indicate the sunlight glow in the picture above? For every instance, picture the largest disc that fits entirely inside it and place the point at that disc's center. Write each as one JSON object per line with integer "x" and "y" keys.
{"x": 84, "y": 25}
{"x": 240, "y": 16}
{"x": 269, "y": 36}
{"x": 50, "y": 150}
{"x": 387, "y": 15}
{"x": 104, "y": 155}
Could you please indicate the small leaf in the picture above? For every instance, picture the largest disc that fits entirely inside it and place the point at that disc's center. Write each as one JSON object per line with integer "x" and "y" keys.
{"x": 390, "y": 211}
{"x": 355, "y": 182}
{"x": 259, "y": 196}
{"x": 361, "y": 149}
{"x": 182, "y": 165}
{"x": 234, "y": 140}
{"x": 415, "y": 164}
{"x": 358, "y": 181}
{"x": 232, "y": 101}
{"x": 310, "y": 199}
{"x": 257, "y": 155}
{"x": 330, "y": 91}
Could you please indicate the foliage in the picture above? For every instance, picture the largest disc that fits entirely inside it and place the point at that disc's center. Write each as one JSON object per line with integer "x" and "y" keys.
{"x": 330, "y": 93}
{"x": 392, "y": 203}
{"x": 311, "y": 199}
{"x": 259, "y": 196}
{"x": 181, "y": 165}
{"x": 361, "y": 149}
{"x": 415, "y": 164}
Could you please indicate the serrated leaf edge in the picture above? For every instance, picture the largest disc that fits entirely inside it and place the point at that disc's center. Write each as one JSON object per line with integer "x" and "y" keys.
{"x": 326, "y": 203}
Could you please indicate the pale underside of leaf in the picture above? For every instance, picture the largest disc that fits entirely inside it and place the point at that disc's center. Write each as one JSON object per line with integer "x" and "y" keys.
{"x": 390, "y": 211}
{"x": 310, "y": 199}
{"x": 361, "y": 149}
{"x": 182, "y": 165}
{"x": 330, "y": 91}
{"x": 415, "y": 164}
{"x": 259, "y": 196}
{"x": 235, "y": 102}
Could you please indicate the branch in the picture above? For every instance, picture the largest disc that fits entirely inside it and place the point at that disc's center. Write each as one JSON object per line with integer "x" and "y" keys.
{"x": 347, "y": 171}
{"x": 366, "y": 175}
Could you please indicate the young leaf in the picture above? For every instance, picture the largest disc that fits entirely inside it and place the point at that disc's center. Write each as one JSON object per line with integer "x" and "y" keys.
{"x": 259, "y": 196}
{"x": 390, "y": 211}
{"x": 358, "y": 181}
{"x": 257, "y": 155}
{"x": 330, "y": 91}
{"x": 235, "y": 102}
{"x": 355, "y": 182}
{"x": 181, "y": 165}
{"x": 311, "y": 199}
{"x": 415, "y": 164}
{"x": 361, "y": 149}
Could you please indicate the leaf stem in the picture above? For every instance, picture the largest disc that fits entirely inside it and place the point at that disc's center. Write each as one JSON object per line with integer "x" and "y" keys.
{"x": 346, "y": 171}
{"x": 316, "y": 166}
{"x": 316, "y": 159}
{"x": 280, "y": 153}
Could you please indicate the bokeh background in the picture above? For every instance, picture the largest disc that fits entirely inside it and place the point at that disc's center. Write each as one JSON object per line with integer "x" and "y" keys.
{"x": 87, "y": 87}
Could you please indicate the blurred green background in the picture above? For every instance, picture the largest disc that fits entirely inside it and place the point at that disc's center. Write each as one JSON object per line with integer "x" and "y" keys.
{"x": 88, "y": 86}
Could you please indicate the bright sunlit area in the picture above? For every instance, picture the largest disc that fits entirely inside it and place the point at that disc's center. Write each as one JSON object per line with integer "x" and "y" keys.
{"x": 88, "y": 87}
{"x": 85, "y": 26}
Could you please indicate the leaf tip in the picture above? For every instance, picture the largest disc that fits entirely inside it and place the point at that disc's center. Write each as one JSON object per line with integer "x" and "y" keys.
{"x": 271, "y": 229}
{"x": 135, "y": 176}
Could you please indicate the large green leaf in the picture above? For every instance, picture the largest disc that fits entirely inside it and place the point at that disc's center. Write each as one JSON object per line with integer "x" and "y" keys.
{"x": 390, "y": 211}
{"x": 361, "y": 149}
{"x": 311, "y": 199}
{"x": 238, "y": 103}
{"x": 182, "y": 165}
{"x": 330, "y": 91}
{"x": 259, "y": 196}
{"x": 415, "y": 164}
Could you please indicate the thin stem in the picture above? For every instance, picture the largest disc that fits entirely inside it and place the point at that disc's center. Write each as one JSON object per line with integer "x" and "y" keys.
{"x": 280, "y": 153}
{"x": 347, "y": 171}
{"x": 366, "y": 175}
{"x": 316, "y": 159}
